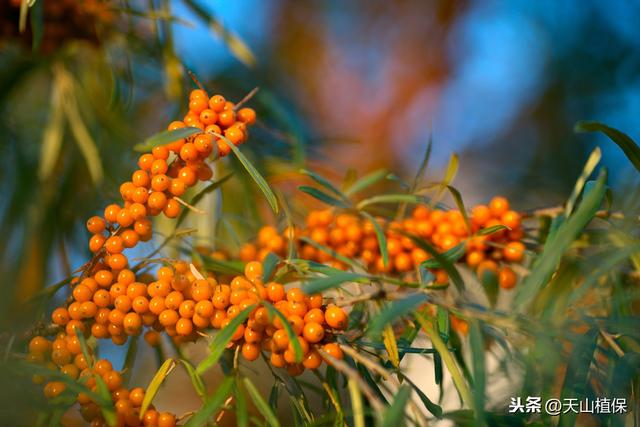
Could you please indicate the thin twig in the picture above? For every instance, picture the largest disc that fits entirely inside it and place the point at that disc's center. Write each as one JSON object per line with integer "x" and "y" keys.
{"x": 196, "y": 81}
{"x": 193, "y": 208}
{"x": 246, "y": 98}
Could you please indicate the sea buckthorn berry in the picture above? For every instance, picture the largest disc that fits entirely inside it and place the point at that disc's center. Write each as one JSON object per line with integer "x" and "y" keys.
{"x": 159, "y": 167}
{"x": 188, "y": 152}
{"x": 333, "y": 350}
{"x": 96, "y": 242}
{"x": 208, "y": 117}
{"x": 102, "y": 298}
{"x": 60, "y": 316}
{"x": 160, "y": 152}
{"x": 253, "y": 271}
{"x": 172, "y": 208}
{"x": 204, "y": 308}
{"x": 223, "y": 148}
{"x": 82, "y": 293}
{"x": 157, "y": 200}
{"x": 160, "y": 182}
{"x": 129, "y": 238}
{"x": 88, "y": 309}
{"x": 140, "y": 178}
{"x": 474, "y": 258}
{"x": 143, "y": 227}
{"x": 234, "y": 134}
{"x": 126, "y": 190}
{"x": 336, "y": 317}
{"x": 118, "y": 262}
{"x": 168, "y": 317}
{"x": 203, "y": 144}
{"x": 173, "y": 300}
{"x": 514, "y": 251}
{"x": 140, "y": 195}
{"x": 111, "y": 213}
{"x": 312, "y": 360}
{"x": 53, "y": 389}
{"x": 39, "y": 345}
{"x": 250, "y": 351}
{"x": 145, "y": 161}
{"x": 275, "y": 292}
{"x": 498, "y": 206}
{"x": 198, "y": 105}
{"x": 114, "y": 245}
{"x": 136, "y": 396}
{"x": 126, "y": 277}
{"x": 247, "y": 115}
{"x": 152, "y": 338}
{"x": 216, "y": 103}
{"x": 112, "y": 379}
{"x": 188, "y": 176}
{"x": 197, "y": 94}
{"x": 313, "y": 332}
{"x": 226, "y": 118}
{"x": 295, "y": 295}
{"x": 184, "y": 326}
{"x": 96, "y": 225}
{"x": 507, "y": 278}
{"x": 177, "y": 187}
{"x": 125, "y": 219}
{"x": 165, "y": 419}
{"x": 140, "y": 304}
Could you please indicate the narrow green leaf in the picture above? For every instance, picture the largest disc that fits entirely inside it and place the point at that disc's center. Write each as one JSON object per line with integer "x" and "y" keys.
{"x": 394, "y": 415}
{"x": 423, "y": 165}
{"x": 154, "y": 385}
{"x": 221, "y": 339}
{"x": 165, "y": 137}
{"x": 493, "y": 229}
{"x": 329, "y": 282}
{"x": 220, "y": 266}
{"x": 84, "y": 347}
{"x": 558, "y": 243}
{"x": 452, "y": 169}
{"x": 242, "y": 410}
{"x": 196, "y": 379}
{"x": 382, "y": 238}
{"x": 479, "y": 377}
{"x": 457, "y": 197}
{"x": 268, "y": 266}
{"x": 262, "y": 406}
{"x": 356, "y": 403}
{"x": 293, "y": 338}
{"x": 393, "y": 311}
{"x": 52, "y": 135}
{"x": 390, "y": 198}
{"x": 588, "y": 169}
{"x": 212, "y": 404}
{"x": 434, "y": 408}
{"x": 365, "y": 182}
{"x": 452, "y": 255}
{"x": 253, "y": 172}
{"x": 353, "y": 264}
{"x": 628, "y": 146}
{"x": 322, "y": 196}
{"x": 324, "y": 182}
{"x": 106, "y": 405}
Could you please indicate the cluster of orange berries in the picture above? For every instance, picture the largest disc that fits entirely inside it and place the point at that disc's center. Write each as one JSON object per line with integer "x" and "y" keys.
{"x": 108, "y": 300}
{"x": 64, "y": 353}
{"x": 355, "y": 238}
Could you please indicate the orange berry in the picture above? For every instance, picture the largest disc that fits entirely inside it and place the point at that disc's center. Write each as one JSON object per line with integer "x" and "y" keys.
{"x": 177, "y": 187}
{"x": 114, "y": 245}
{"x": 336, "y": 317}
{"x": 234, "y": 134}
{"x": 511, "y": 219}
{"x": 226, "y": 118}
{"x": 96, "y": 225}
{"x": 507, "y": 278}
{"x": 145, "y": 161}
{"x": 247, "y": 115}
{"x": 53, "y": 389}
{"x": 188, "y": 152}
{"x": 334, "y": 350}
{"x": 129, "y": 238}
{"x": 111, "y": 213}
{"x": 160, "y": 152}
{"x": 168, "y": 317}
{"x": 82, "y": 293}
{"x": 275, "y": 292}
{"x": 188, "y": 176}
{"x": 208, "y": 117}
{"x": 295, "y": 295}
{"x": 143, "y": 227}
{"x": 313, "y": 332}
{"x": 96, "y": 242}
{"x": 250, "y": 351}
{"x": 184, "y": 326}
{"x": 514, "y": 251}
{"x": 498, "y": 206}
{"x": 172, "y": 208}
{"x": 216, "y": 103}
{"x": 132, "y": 323}
{"x": 198, "y": 105}
{"x": 118, "y": 262}
{"x": 253, "y": 271}
{"x": 39, "y": 345}
{"x": 198, "y": 94}
{"x": 157, "y": 200}
{"x": 312, "y": 360}
{"x": 474, "y": 258}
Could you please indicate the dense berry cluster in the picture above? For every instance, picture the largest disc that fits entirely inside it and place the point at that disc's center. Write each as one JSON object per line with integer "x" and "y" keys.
{"x": 109, "y": 300}
{"x": 355, "y": 238}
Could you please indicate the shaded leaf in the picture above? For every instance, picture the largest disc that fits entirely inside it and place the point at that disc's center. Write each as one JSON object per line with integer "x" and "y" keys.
{"x": 390, "y": 198}
{"x": 196, "y": 379}
{"x": 394, "y": 415}
{"x": 261, "y": 404}
{"x": 366, "y": 181}
{"x": 393, "y": 311}
{"x": 628, "y": 146}
{"x": 382, "y": 238}
{"x": 324, "y": 182}
{"x": 332, "y": 281}
{"x": 293, "y": 339}
{"x": 322, "y": 196}
{"x": 212, "y": 404}
{"x": 452, "y": 255}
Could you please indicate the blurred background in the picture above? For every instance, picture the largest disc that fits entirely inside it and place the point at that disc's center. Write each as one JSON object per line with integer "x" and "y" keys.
{"x": 343, "y": 85}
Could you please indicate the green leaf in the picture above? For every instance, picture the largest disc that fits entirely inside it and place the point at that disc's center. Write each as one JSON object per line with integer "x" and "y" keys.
{"x": 322, "y": 196}
{"x": 442, "y": 261}
{"x": 53, "y": 134}
{"x": 293, "y": 338}
{"x": 479, "y": 377}
{"x": 460, "y": 204}
{"x": 165, "y": 137}
{"x": 559, "y": 242}
{"x": 393, "y": 311}
{"x": 268, "y": 265}
{"x": 394, "y": 415}
{"x": 391, "y": 345}
{"x": 382, "y": 238}
{"x": 390, "y": 198}
{"x": 253, "y": 172}
{"x": 329, "y": 282}
{"x": 212, "y": 404}
{"x": 493, "y": 229}
{"x": 628, "y": 146}
{"x": 221, "y": 339}
{"x": 261, "y": 404}
{"x": 435, "y": 409}
{"x": 452, "y": 169}
{"x": 220, "y": 266}
{"x": 353, "y": 264}
{"x": 366, "y": 182}
{"x": 356, "y": 403}
{"x": 84, "y": 347}
{"x": 423, "y": 165}
{"x": 452, "y": 255}
{"x": 324, "y": 182}
{"x": 106, "y": 406}
{"x": 196, "y": 379}
{"x": 588, "y": 169}
{"x": 156, "y": 382}
{"x": 242, "y": 411}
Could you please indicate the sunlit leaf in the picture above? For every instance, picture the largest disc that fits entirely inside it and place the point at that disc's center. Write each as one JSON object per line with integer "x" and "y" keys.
{"x": 356, "y": 403}
{"x": 155, "y": 383}
{"x": 391, "y": 345}
{"x": 322, "y": 196}
{"x": 165, "y": 137}
{"x": 366, "y": 182}
{"x": 587, "y": 170}
{"x": 393, "y": 311}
